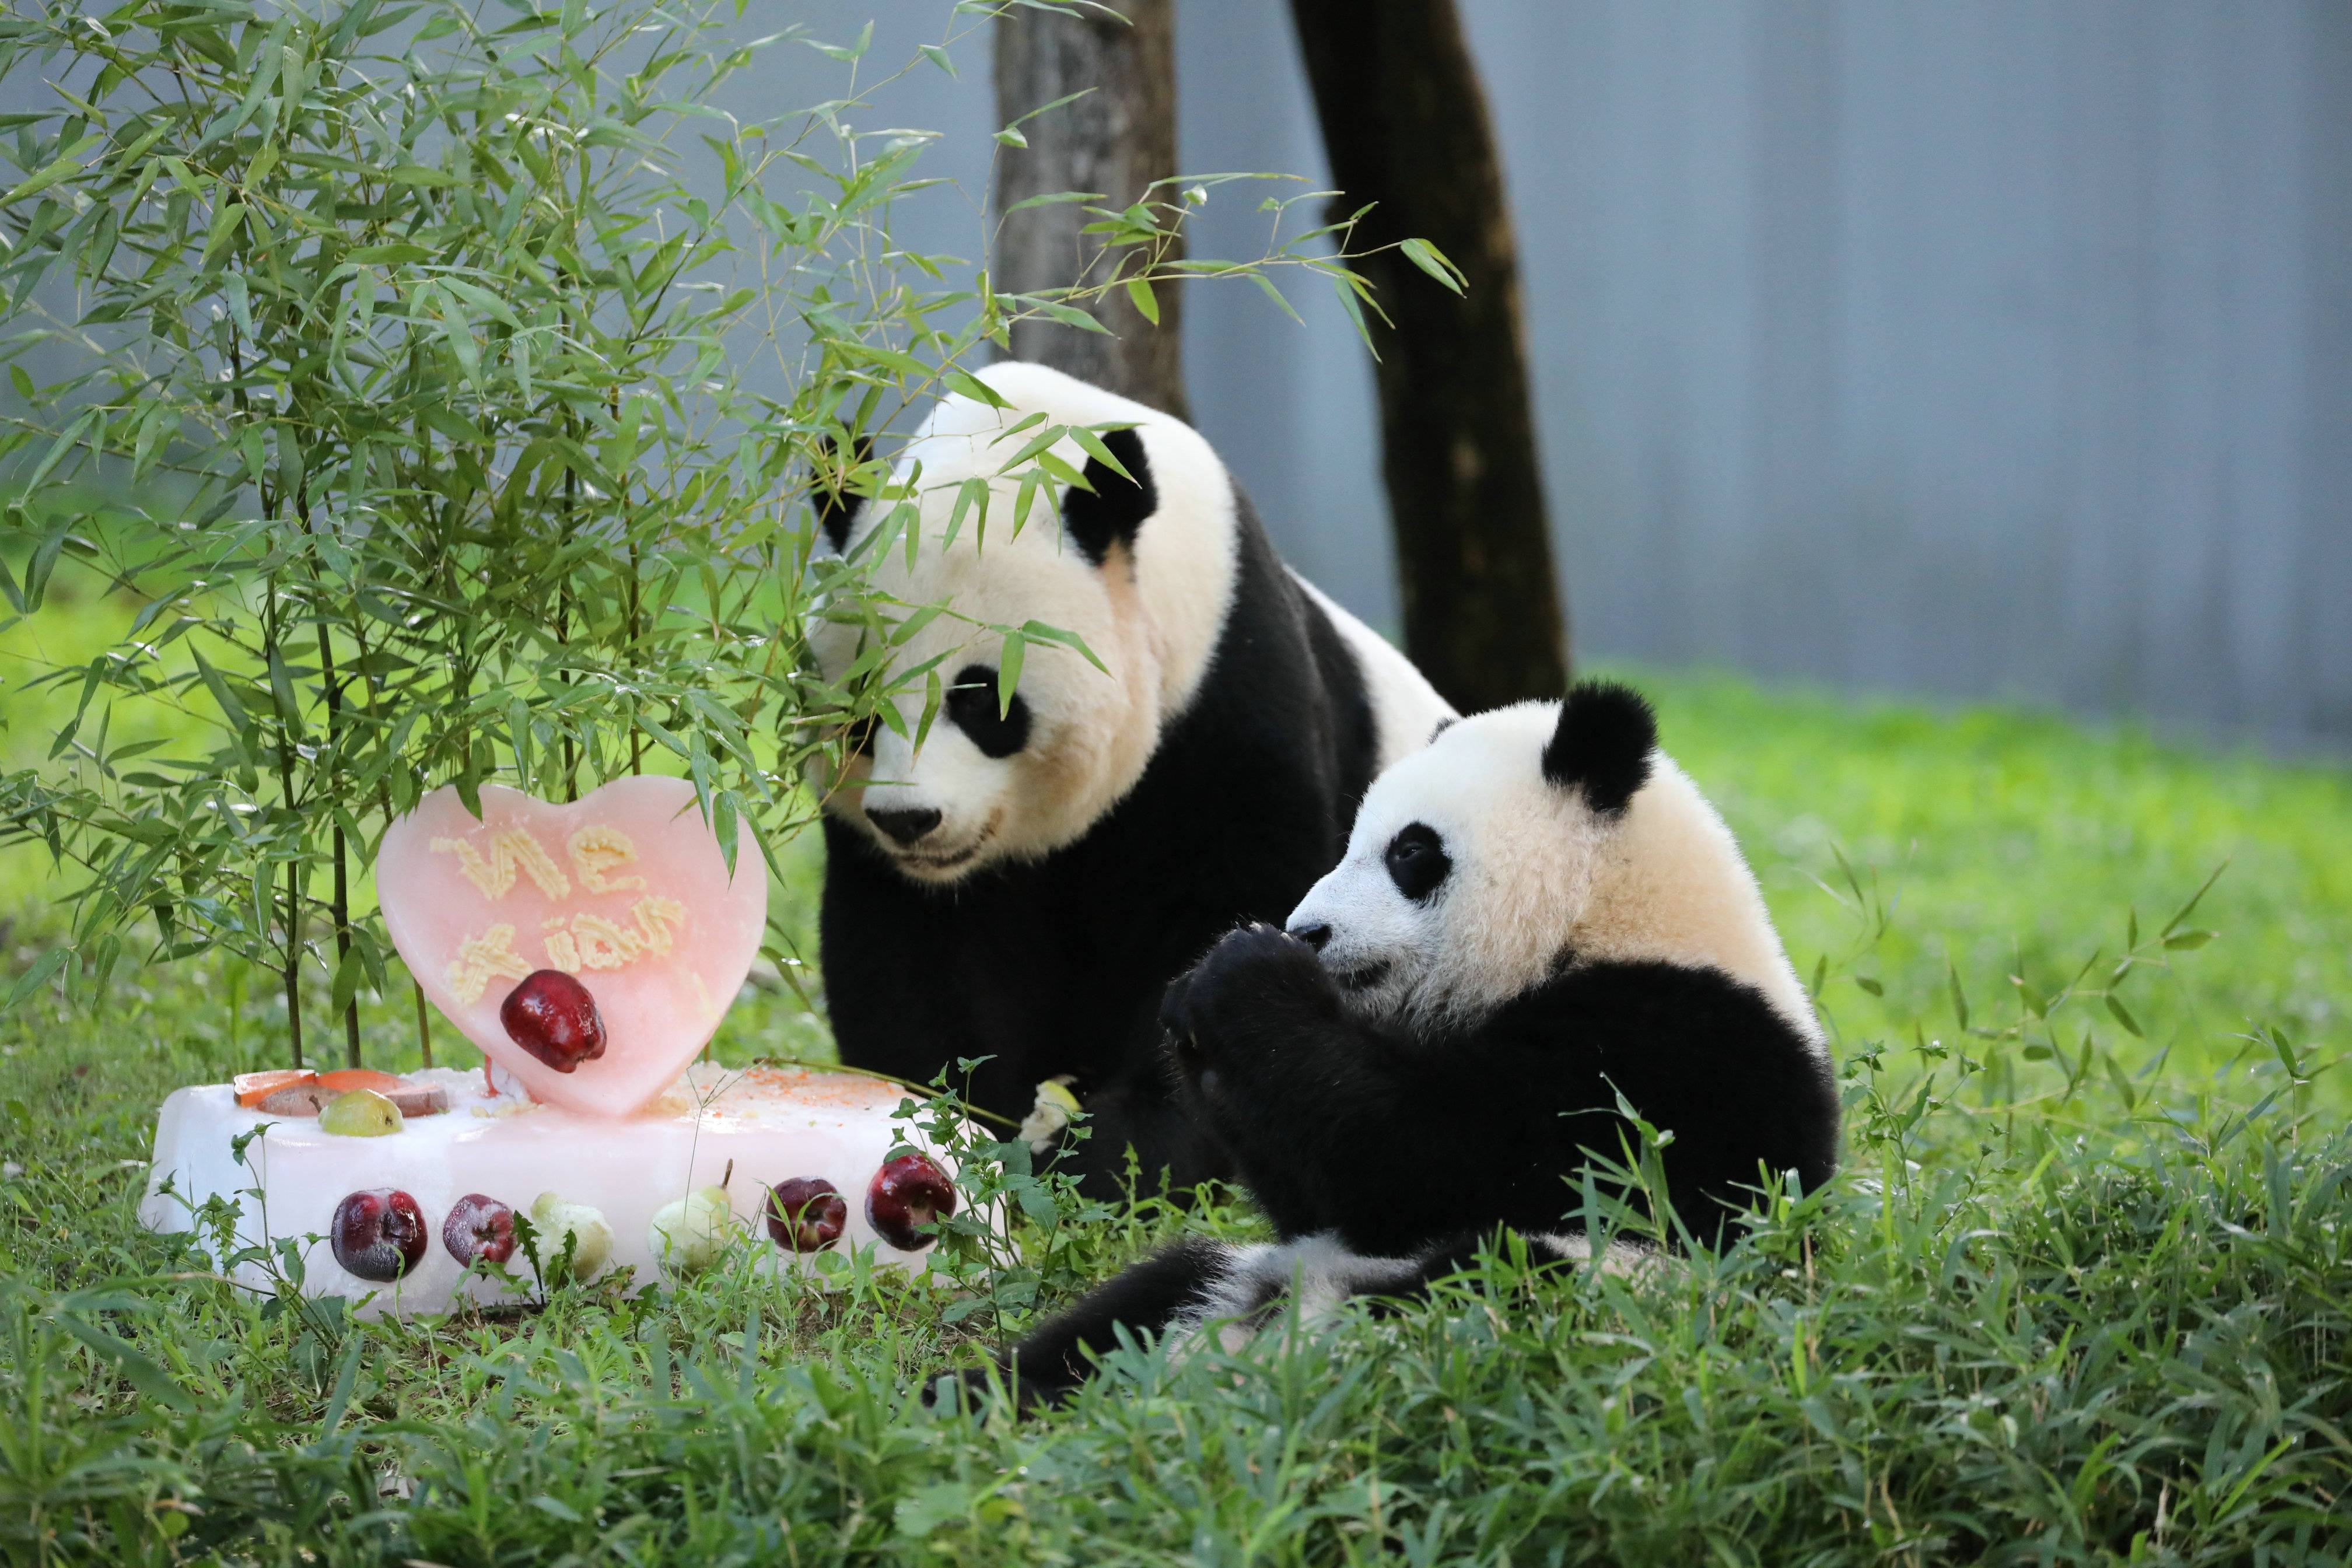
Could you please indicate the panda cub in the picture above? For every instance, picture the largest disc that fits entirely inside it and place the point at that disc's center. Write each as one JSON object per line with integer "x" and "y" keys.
{"x": 1022, "y": 885}
{"x": 1535, "y": 914}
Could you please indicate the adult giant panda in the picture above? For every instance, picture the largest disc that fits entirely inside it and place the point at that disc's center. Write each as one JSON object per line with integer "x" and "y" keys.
{"x": 1024, "y": 885}
{"x": 1535, "y": 915}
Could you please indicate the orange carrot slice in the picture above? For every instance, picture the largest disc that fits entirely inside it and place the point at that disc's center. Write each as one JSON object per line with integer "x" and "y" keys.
{"x": 345, "y": 1079}
{"x": 252, "y": 1088}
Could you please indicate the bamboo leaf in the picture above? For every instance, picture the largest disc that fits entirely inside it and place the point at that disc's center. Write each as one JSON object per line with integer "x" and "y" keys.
{"x": 1051, "y": 198}
{"x": 222, "y": 697}
{"x": 1431, "y": 260}
{"x": 350, "y": 971}
{"x": 1044, "y": 440}
{"x": 723, "y": 823}
{"x": 1265, "y": 286}
{"x": 45, "y": 968}
{"x": 971, "y": 387}
{"x": 43, "y": 562}
{"x": 1038, "y": 631}
{"x": 1008, "y": 671}
{"x": 288, "y": 702}
{"x": 47, "y": 176}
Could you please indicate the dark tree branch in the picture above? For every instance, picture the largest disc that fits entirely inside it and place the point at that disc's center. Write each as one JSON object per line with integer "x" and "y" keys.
{"x": 1116, "y": 141}
{"x": 1406, "y": 124}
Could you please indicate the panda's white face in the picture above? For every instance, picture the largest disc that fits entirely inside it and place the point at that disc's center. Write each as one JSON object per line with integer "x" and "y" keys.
{"x": 1531, "y": 838}
{"x": 991, "y": 781}
{"x": 1146, "y": 588}
{"x": 1464, "y": 874}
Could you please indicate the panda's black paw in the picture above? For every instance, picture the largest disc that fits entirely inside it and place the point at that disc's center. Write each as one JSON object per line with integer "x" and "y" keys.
{"x": 1257, "y": 963}
{"x": 967, "y": 1389}
{"x": 1233, "y": 1002}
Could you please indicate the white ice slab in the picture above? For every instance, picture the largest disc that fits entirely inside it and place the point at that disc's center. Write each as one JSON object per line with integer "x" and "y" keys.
{"x": 772, "y": 1122}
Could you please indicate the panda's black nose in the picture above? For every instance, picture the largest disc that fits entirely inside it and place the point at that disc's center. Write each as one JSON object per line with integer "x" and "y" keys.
{"x": 904, "y": 826}
{"x": 1314, "y": 934}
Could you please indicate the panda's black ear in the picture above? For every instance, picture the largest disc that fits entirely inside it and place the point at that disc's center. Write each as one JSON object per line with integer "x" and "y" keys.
{"x": 1115, "y": 509}
{"x": 837, "y": 507}
{"x": 1601, "y": 744}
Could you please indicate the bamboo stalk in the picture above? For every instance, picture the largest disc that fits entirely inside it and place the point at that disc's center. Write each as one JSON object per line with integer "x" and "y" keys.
{"x": 294, "y": 955}
{"x": 368, "y": 689}
{"x": 424, "y": 1021}
{"x": 342, "y": 908}
{"x": 636, "y": 736}
{"x": 571, "y": 760}
{"x": 293, "y": 971}
{"x": 269, "y": 630}
{"x": 343, "y": 911}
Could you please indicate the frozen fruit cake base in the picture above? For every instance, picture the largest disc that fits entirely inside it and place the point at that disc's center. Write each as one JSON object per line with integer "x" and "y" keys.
{"x": 770, "y": 1125}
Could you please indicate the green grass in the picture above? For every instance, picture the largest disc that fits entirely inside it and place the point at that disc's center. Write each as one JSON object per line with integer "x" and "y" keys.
{"x": 2015, "y": 844}
{"x": 2088, "y": 1305}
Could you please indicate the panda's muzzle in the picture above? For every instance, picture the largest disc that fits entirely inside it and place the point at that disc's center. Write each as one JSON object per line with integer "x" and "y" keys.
{"x": 904, "y": 828}
{"x": 912, "y": 846}
{"x": 1362, "y": 978}
{"x": 947, "y": 862}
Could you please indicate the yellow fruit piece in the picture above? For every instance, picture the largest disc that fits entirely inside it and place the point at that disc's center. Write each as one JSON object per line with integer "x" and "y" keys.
{"x": 360, "y": 1113}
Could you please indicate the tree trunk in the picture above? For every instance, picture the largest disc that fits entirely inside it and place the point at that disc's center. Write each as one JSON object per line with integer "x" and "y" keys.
{"x": 1406, "y": 124}
{"x": 1116, "y": 142}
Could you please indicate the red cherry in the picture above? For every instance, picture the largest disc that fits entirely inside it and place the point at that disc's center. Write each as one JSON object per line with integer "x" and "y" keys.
{"x": 479, "y": 1226}
{"x": 378, "y": 1235}
{"x": 554, "y": 1017}
{"x": 806, "y": 1214}
{"x": 907, "y": 1193}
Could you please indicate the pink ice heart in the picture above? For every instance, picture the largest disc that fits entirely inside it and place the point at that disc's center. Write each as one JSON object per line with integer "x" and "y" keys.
{"x": 624, "y": 889}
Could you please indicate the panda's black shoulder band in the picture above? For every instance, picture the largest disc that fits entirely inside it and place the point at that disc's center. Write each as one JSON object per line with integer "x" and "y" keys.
{"x": 837, "y": 509}
{"x": 1116, "y": 507}
{"x": 1602, "y": 744}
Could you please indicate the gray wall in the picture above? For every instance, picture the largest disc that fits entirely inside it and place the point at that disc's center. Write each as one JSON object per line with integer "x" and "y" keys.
{"x": 1957, "y": 347}
{"x": 1964, "y": 348}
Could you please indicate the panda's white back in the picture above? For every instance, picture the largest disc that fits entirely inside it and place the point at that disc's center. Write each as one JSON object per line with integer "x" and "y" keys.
{"x": 1405, "y": 706}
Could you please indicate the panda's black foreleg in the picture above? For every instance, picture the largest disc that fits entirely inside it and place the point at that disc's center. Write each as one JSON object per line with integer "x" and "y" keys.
{"x": 1053, "y": 1358}
{"x": 1141, "y": 1112}
{"x": 1342, "y": 1124}
{"x": 1301, "y": 1089}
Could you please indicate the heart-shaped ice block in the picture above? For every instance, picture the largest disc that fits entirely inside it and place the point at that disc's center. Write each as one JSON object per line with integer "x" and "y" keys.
{"x": 625, "y": 890}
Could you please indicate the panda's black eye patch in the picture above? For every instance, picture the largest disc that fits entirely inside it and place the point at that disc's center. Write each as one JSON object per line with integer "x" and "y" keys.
{"x": 971, "y": 707}
{"x": 1417, "y": 861}
{"x": 861, "y": 736}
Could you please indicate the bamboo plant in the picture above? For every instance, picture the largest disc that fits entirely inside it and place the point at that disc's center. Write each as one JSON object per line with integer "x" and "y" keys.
{"x": 457, "y": 381}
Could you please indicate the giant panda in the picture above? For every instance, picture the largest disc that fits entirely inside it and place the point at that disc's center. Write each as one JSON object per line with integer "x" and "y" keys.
{"x": 1535, "y": 915}
{"x": 1022, "y": 885}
